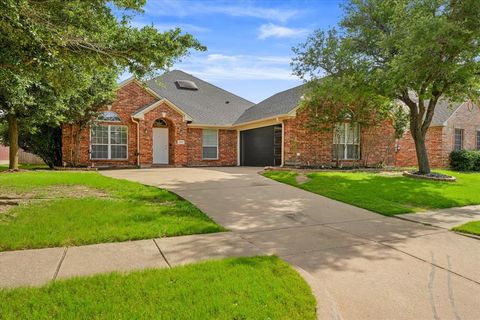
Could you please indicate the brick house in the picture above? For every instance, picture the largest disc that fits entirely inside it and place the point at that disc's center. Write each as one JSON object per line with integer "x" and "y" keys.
{"x": 454, "y": 126}
{"x": 180, "y": 120}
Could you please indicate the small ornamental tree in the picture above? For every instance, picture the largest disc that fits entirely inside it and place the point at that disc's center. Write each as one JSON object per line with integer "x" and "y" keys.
{"x": 411, "y": 51}
{"x": 52, "y": 49}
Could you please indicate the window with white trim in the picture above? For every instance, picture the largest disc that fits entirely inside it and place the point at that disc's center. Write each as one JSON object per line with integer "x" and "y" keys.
{"x": 209, "y": 144}
{"x": 110, "y": 116}
{"x": 108, "y": 142}
{"x": 346, "y": 141}
{"x": 458, "y": 139}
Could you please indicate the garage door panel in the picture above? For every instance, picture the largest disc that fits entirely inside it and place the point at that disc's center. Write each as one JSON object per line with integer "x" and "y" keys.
{"x": 261, "y": 146}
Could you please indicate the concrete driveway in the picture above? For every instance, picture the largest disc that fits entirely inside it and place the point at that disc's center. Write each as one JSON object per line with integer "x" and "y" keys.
{"x": 359, "y": 264}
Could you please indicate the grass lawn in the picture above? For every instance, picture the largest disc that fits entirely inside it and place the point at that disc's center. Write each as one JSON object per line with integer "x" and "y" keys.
{"x": 240, "y": 288}
{"x": 388, "y": 194}
{"x": 75, "y": 208}
{"x": 472, "y": 227}
{"x": 25, "y": 166}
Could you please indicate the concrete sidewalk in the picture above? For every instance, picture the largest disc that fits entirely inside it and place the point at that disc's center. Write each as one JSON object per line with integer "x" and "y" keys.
{"x": 37, "y": 267}
{"x": 446, "y": 218}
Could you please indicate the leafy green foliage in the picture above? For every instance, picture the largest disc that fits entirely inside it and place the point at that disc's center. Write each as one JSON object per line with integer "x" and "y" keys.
{"x": 413, "y": 51}
{"x": 465, "y": 160}
{"x": 472, "y": 227}
{"x": 88, "y": 208}
{"x": 54, "y": 52}
{"x": 239, "y": 288}
{"x": 389, "y": 194}
{"x": 400, "y": 120}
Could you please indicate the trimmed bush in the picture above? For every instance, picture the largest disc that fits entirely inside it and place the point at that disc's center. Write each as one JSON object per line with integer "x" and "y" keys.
{"x": 465, "y": 160}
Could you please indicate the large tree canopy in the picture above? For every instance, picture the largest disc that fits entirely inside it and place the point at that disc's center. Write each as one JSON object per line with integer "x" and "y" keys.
{"x": 413, "y": 51}
{"x": 52, "y": 51}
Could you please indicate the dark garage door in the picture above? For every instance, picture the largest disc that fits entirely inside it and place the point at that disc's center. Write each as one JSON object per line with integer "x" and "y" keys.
{"x": 261, "y": 147}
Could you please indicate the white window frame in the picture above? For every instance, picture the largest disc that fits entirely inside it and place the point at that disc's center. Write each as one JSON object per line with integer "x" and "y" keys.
{"x": 102, "y": 120}
{"x": 345, "y": 142}
{"x": 455, "y": 138}
{"x": 210, "y": 146}
{"x": 109, "y": 144}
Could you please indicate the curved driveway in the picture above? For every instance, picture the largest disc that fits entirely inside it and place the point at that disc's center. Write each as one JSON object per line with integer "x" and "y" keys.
{"x": 359, "y": 264}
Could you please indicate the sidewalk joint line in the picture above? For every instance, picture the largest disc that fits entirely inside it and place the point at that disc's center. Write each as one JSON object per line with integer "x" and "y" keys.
{"x": 302, "y": 225}
{"x": 60, "y": 263}
{"x": 163, "y": 255}
{"x": 409, "y": 254}
{"x": 419, "y": 222}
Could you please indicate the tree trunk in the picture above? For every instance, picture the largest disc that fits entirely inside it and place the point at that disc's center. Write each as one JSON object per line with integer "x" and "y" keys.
{"x": 13, "y": 140}
{"x": 421, "y": 150}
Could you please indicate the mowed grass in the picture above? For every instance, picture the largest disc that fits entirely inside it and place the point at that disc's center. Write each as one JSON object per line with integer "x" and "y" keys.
{"x": 77, "y": 208}
{"x": 472, "y": 227}
{"x": 238, "y": 288}
{"x": 388, "y": 194}
{"x": 25, "y": 166}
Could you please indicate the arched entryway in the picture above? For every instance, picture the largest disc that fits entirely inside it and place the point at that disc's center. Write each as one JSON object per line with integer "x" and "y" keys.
{"x": 160, "y": 142}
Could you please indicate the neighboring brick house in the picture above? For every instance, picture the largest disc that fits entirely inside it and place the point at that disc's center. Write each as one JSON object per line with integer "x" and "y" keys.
{"x": 454, "y": 126}
{"x": 180, "y": 120}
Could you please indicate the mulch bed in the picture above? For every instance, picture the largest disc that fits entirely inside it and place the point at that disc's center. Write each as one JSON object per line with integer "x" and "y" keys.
{"x": 431, "y": 176}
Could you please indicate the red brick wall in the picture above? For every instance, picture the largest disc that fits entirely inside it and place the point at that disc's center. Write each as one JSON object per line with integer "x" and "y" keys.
{"x": 467, "y": 117}
{"x": 407, "y": 157}
{"x": 304, "y": 147}
{"x": 440, "y": 140}
{"x": 129, "y": 98}
{"x": 177, "y": 130}
{"x": 378, "y": 144}
{"x": 227, "y": 148}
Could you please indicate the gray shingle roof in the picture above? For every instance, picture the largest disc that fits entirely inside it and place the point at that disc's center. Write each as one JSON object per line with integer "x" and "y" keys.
{"x": 443, "y": 111}
{"x": 209, "y": 104}
{"x": 279, "y": 104}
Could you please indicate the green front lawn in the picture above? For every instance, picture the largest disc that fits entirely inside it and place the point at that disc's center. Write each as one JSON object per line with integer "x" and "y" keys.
{"x": 472, "y": 227}
{"x": 388, "y": 194}
{"x": 25, "y": 166}
{"x": 241, "y": 288}
{"x": 75, "y": 208}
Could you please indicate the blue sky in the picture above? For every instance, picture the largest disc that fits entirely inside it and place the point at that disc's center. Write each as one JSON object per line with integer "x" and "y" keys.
{"x": 249, "y": 42}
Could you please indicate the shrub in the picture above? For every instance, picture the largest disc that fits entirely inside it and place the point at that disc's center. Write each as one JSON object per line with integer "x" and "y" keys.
{"x": 465, "y": 160}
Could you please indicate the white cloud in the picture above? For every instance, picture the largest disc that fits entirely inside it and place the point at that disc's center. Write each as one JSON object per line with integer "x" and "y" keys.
{"x": 215, "y": 67}
{"x": 221, "y": 57}
{"x": 183, "y": 8}
{"x": 276, "y": 31}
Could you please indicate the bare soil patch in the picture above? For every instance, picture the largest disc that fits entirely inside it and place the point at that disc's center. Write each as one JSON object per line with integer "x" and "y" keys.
{"x": 301, "y": 178}
{"x": 10, "y": 198}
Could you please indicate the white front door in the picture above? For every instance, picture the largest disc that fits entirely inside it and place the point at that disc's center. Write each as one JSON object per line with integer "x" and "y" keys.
{"x": 160, "y": 145}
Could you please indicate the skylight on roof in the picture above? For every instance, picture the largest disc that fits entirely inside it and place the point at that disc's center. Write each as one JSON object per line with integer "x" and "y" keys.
{"x": 186, "y": 84}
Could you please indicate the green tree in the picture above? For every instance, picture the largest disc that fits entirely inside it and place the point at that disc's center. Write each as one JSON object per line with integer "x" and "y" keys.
{"x": 411, "y": 51}
{"x": 51, "y": 50}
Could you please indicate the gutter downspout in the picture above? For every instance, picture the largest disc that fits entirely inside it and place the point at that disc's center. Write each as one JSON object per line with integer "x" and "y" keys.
{"x": 138, "y": 140}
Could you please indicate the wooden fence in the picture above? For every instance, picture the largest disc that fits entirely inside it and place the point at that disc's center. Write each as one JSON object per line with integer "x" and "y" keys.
{"x": 23, "y": 156}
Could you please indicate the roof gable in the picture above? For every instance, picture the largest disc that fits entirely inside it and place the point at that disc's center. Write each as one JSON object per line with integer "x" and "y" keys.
{"x": 208, "y": 104}
{"x": 140, "y": 113}
{"x": 280, "y": 104}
